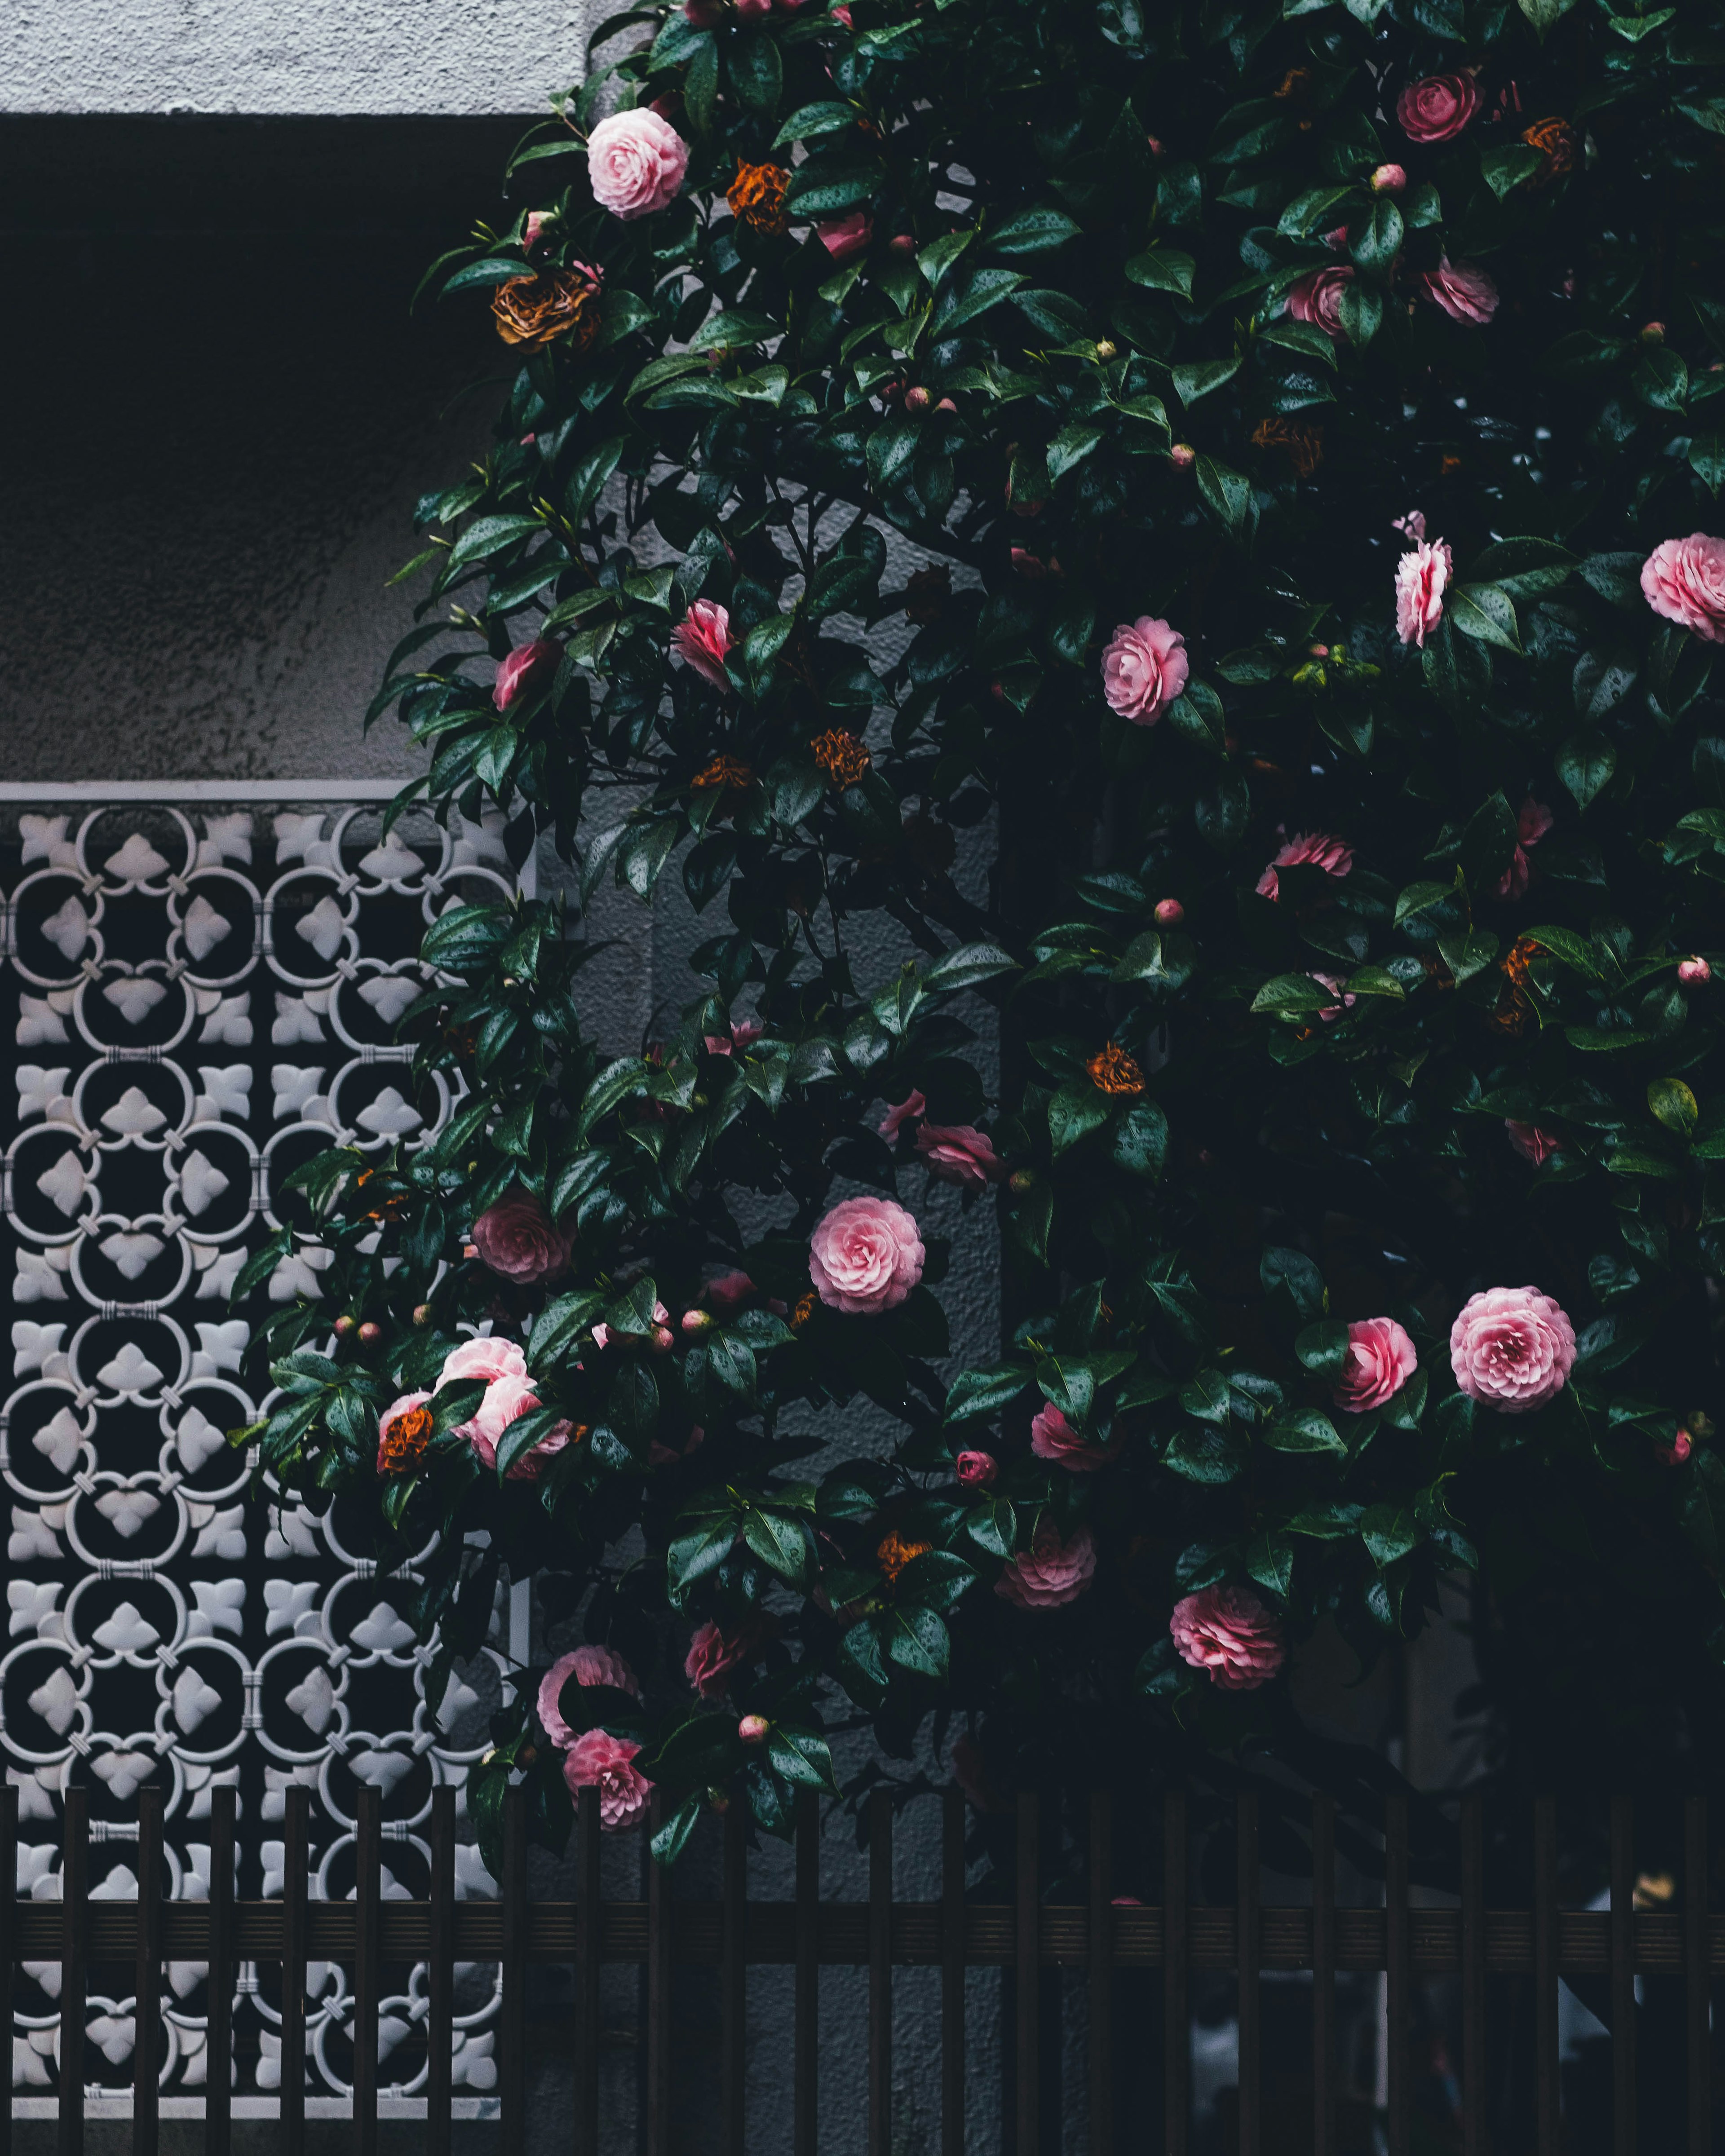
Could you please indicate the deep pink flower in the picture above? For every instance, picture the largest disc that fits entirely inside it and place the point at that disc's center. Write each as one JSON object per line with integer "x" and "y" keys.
{"x": 712, "y": 1655}
{"x": 977, "y": 1470}
{"x": 1380, "y": 1361}
{"x": 842, "y": 237}
{"x": 518, "y": 1242}
{"x": 745, "y": 8}
{"x": 1050, "y": 1572}
{"x": 744, "y": 1034}
{"x": 841, "y": 13}
{"x": 1228, "y": 1631}
{"x": 1420, "y": 577}
{"x": 911, "y": 1109}
{"x": 1512, "y": 1347}
{"x": 866, "y": 1256}
{"x": 1144, "y": 669}
{"x": 1032, "y": 567}
{"x": 728, "y": 1291}
{"x": 1169, "y": 913}
{"x": 1437, "y": 109}
{"x": 1317, "y": 297}
{"x": 1535, "y": 820}
{"x": 526, "y": 667}
{"x": 635, "y": 162}
{"x": 1321, "y": 849}
{"x": 1684, "y": 580}
{"x": 1531, "y": 1141}
{"x": 588, "y": 1665}
{"x": 598, "y": 1760}
{"x": 958, "y": 1153}
{"x": 1694, "y": 973}
{"x": 1465, "y": 292}
{"x": 386, "y": 1422}
{"x": 703, "y": 638}
{"x": 1053, "y": 1438}
{"x": 1678, "y": 1450}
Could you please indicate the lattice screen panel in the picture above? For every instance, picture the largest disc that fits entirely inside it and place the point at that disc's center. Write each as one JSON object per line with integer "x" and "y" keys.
{"x": 200, "y": 994}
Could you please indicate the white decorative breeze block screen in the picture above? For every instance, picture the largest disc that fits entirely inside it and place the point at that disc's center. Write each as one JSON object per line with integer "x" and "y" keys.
{"x": 202, "y": 993}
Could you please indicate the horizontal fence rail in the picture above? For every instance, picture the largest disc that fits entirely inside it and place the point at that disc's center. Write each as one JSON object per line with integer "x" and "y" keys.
{"x": 1023, "y": 1936}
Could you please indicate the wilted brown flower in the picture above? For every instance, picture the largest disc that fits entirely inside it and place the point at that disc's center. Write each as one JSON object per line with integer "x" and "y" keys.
{"x": 842, "y": 757}
{"x": 1295, "y": 85}
{"x": 1556, "y": 143}
{"x": 728, "y": 771}
{"x": 895, "y": 1554}
{"x": 404, "y": 1441}
{"x": 757, "y": 197}
{"x": 806, "y": 1306}
{"x": 1112, "y": 1070}
{"x": 1521, "y": 954}
{"x": 535, "y": 311}
{"x": 926, "y": 592}
{"x": 1304, "y": 444}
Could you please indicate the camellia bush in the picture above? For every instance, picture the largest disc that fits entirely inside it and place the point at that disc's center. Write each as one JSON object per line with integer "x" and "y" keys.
{"x": 1252, "y": 466}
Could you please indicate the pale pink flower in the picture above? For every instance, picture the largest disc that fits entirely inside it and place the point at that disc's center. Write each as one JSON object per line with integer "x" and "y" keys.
{"x": 1420, "y": 577}
{"x": 909, "y": 1110}
{"x": 1380, "y": 1361}
{"x": 507, "y": 1399}
{"x": 390, "y": 1415}
{"x": 1684, "y": 580}
{"x": 1144, "y": 669}
{"x": 1465, "y": 292}
{"x": 958, "y": 1153}
{"x": 1320, "y": 849}
{"x": 588, "y": 1665}
{"x": 518, "y": 1242}
{"x": 713, "y": 1654}
{"x": 524, "y": 669}
{"x": 866, "y": 1256}
{"x": 976, "y": 1470}
{"x": 1331, "y": 1012}
{"x": 1512, "y": 1347}
{"x": 1053, "y": 1438}
{"x": 1050, "y": 1572}
{"x": 703, "y": 638}
{"x": 1317, "y": 297}
{"x": 1228, "y": 1631}
{"x": 1535, "y": 820}
{"x": 635, "y": 162}
{"x": 1531, "y": 1141}
{"x": 1412, "y": 525}
{"x": 1438, "y": 108}
{"x": 598, "y": 1760}
{"x": 486, "y": 1357}
{"x": 842, "y": 237}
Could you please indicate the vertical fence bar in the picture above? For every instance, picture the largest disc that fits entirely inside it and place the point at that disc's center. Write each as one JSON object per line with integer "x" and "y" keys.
{"x": 1695, "y": 1973}
{"x": 147, "y": 2003}
{"x": 1323, "y": 1973}
{"x": 1175, "y": 2036}
{"x": 952, "y": 1972}
{"x": 8, "y": 1929}
{"x": 1396, "y": 1971}
{"x": 1249, "y": 1952}
{"x": 512, "y": 2020}
{"x": 75, "y": 1893}
{"x": 296, "y": 1862}
{"x": 440, "y": 1977}
{"x": 588, "y": 1919}
{"x": 1623, "y": 1976}
{"x": 219, "y": 1983}
{"x": 880, "y": 1974}
{"x": 733, "y": 1980}
{"x": 367, "y": 1964}
{"x": 1028, "y": 1969}
{"x": 1100, "y": 1945}
{"x": 1473, "y": 1975}
{"x": 1548, "y": 2105}
{"x": 660, "y": 1948}
{"x": 805, "y": 2065}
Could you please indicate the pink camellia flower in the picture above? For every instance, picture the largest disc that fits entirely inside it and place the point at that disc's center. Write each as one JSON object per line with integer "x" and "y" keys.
{"x": 516, "y": 1240}
{"x": 507, "y": 1399}
{"x": 1694, "y": 973}
{"x": 1388, "y": 180}
{"x": 387, "y": 1421}
{"x": 744, "y": 1034}
{"x": 1684, "y": 580}
{"x": 754, "y": 1729}
{"x": 713, "y": 1654}
{"x": 841, "y": 13}
{"x": 976, "y": 1470}
{"x": 1438, "y": 108}
{"x": 486, "y": 1357}
{"x": 1317, "y": 297}
{"x": 911, "y": 1109}
{"x": 1169, "y": 913}
{"x": 635, "y": 162}
{"x": 1330, "y": 1012}
{"x": 598, "y": 1760}
{"x": 702, "y": 638}
{"x": 1380, "y": 1361}
{"x": 866, "y": 1256}
{"x": 1535, "y": 820}
{"x": 1228, "y": 1631}
{"x": 958, "y": 1153}
{"x": 1465, "y": 292}
{"x": 842, "y": 237}
{"x": 1050, "y": 1572}
{"x": 1144, "y": 669}
{"x": 588, "y": 1665}
{"x": 526, "y": 667}
{"x": 1053, "y": 1438}
{"x": 1420, "y": 577}
{"x": 1183, "y": 456}
{"x": 1512, "y": 1347}
{"x": 1531, "y": 1141}
{"x": 1678, "y": 1450}
{"x": 1321, "y": 849}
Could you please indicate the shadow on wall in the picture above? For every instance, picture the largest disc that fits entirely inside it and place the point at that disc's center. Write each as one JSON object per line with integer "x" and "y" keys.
{"x": 219, "y": 417}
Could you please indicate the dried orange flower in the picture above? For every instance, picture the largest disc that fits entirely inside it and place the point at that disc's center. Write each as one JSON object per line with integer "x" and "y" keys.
{"x": 895, "y": 1554}
{"x": 404, "y": 1442}
{"x": 534, "y": 311}
{"x": 806, "y": 1306}
{"x": 1304, "y": 445}
{"x": 1556, "y": 143}
{"x": 1450, "y": 464}
{"x": 1521, "y": 954}
{"x": 1438, "y": 974}
{"x": 842, "y": 757}
{"x": 1112, "y": 1070}
{"x": 926, "y": 592}
{"x": 1295, "y": 84}
{"x": 757, "y": 197}
{"x": 723, "y": 770}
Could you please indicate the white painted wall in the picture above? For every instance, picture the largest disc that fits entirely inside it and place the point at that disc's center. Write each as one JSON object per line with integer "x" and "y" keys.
{"x": 330, "y": 57}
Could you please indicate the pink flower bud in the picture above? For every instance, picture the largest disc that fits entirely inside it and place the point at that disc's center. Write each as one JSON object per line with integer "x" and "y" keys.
{"x": 663, "y": 1340}
{"x": 370, "y": 1334}
{"x": 536, "y": 223}
{"x": 344, "y": 1325}
{"x": 1183, "y": 456}
{"x": 903, "y": 243}
{"x": 945, "y": 404}
{"x": 1169, "y": 913}
{"x": 1693, "y": 972}
{"x": 422, "y": 1314}
{"x": 1157, "y": 147}
{"x": 1678, "y": 1450}
{"x": 917, "y": 400}
{"x": 1388, "y": 180}
{"x": 753, "y": 1729}
{"x": 1652, "y": 333}
{"x": 697, "y": 1321}
{"x": 976, "y": 1470}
